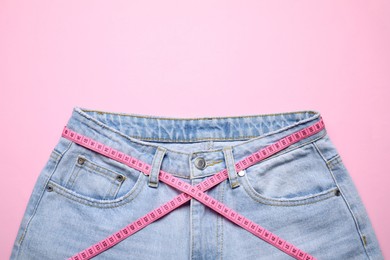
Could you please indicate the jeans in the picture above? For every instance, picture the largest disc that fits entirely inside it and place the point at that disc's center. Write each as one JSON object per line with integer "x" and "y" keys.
{"x": 302, "y": 193}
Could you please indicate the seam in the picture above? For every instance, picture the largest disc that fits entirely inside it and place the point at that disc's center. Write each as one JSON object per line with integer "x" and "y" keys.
{"x": 339, "y": 161}
{"x": 193, "y": 118}
{"x": 319, "y": 151}
{"x": 289, "y": 149}
{"x": 287, "y": 203}
{"x": 235, "y": 183}
{"x": 258, "y": 137}
{"x": 72, "y": 178}
{"x": 334, "y": 161}
{"x": 118, "y": 186}
{"x": 115, "y": 185}
{"x": 42, "y": 191}
{"x": 327, "y": 161}
{"x": 96, "y": 171}
{"x": 137, "y": 139}
{"x": 293, "y": 202}
{"x": 96, "y": 167}
{"x": 233, "y": 179}
{"x": 137, "y": 188}
{"x": 70, "y": 143}
{"x": 211, "y": 163}
{"x": 156, "y": 167}
{"x": 55, "y": 155}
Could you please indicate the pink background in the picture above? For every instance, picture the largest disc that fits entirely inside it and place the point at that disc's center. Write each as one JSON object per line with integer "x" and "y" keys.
{"x": 194, "y": 58}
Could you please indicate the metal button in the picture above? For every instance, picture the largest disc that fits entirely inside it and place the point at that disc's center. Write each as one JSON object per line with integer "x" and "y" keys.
{"x": 200, "y": 163}
{"x": 49, "y": 188}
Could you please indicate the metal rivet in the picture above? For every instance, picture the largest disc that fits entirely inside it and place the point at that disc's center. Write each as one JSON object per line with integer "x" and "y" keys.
{"x": 200, "y": 163}
{"x": 241, "y": 173}
{"x": 364, "y": 240}
{"x": 81, "y": 160}
{"x": 49, "y": 188}
{"x": 119, "y": 178}
{"x": 337, "y": 192}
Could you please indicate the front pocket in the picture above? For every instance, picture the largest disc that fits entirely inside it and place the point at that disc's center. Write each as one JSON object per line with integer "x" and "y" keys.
{"x": 94, "y": 179}
{"x": 294, "y": 177}
{"x": 90, "y": 179}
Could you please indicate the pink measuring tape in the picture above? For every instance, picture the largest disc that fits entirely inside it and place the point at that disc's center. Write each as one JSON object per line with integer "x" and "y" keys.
{"x": 195, "y": 192}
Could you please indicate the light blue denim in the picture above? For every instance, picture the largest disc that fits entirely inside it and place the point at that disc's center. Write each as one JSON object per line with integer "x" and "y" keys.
{"x": 293, "y": 193}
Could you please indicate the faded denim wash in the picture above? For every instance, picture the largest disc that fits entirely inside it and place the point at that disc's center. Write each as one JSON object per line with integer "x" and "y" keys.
{"x": 293, "y": 193}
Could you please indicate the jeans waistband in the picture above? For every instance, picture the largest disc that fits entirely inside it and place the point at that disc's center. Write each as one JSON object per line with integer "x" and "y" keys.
{"x": 186, "y": 139}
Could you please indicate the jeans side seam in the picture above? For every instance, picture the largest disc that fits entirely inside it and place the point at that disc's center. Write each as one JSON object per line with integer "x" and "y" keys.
{"x": 330, "y": 163}
{"x": 338, "y": 158}
{"x": 42, "y": 192}
{"x": 319, "y": 151}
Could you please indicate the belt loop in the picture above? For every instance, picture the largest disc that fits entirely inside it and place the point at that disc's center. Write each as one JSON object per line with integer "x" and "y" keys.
{"x": 156, "y": 167}
{"x": 231, "y": 168}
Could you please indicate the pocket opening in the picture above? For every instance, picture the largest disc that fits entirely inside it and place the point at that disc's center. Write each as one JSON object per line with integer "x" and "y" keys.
{"x": 298, "y": 176}
{"x": 93, "y": 177}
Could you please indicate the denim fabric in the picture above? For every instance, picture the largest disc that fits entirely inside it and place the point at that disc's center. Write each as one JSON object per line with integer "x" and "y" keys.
{"x": 293, "y": 193}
